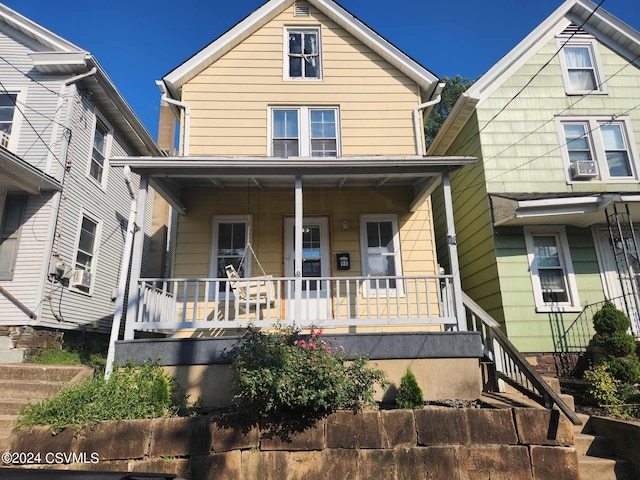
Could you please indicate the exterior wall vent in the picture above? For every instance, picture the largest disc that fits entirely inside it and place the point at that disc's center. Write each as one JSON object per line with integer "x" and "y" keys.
{"x": 575, "y": 31}
{"x": 301, "y": 10}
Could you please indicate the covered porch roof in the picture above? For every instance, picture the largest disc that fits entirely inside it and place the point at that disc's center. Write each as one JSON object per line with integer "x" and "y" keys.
{"x": 16, "y": 174}
{"x": 578, "y": 210}
{"x": 170, "y": 175}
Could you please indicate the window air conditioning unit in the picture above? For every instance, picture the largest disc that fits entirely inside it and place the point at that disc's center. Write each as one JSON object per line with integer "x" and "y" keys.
{"x": 81, "y": 279}
{"x": 584, "y": 169}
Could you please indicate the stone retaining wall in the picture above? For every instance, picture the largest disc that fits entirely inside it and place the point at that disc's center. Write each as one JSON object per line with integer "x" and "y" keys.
{"x": 435, "y": 443}
{"x": 624, "y": 435}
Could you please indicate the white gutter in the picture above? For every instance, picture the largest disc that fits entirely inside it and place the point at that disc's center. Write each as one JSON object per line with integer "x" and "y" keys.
{"x": 77, "y": 78}
{"x": 418, "y": 129}
{"x": 124, "y": 273}
{"x": 187, "y": 115}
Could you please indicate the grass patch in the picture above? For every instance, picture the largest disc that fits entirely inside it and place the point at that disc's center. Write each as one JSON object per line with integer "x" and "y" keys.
{"x": 132, "y": 392}
{"x": 93, "y": 355}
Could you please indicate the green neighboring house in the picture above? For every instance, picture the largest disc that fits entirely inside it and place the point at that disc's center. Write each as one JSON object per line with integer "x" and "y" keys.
{"x": 544, "y": 219}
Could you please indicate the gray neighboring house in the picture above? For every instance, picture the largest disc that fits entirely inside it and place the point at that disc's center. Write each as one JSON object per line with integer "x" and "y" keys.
{"x": 64, "y": 211}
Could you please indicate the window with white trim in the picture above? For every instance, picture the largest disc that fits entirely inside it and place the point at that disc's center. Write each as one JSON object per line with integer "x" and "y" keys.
{"x": 10, "y": 116}
{"x": 551, "y": 269}
{"x": 86, "y": 249}
{"x": 10, "y": 226}
{"x": 99, "y": 151}
{"x": 598, "y": 149}
{"x": 229, "y": 241}
{"x": 380, "y": 244}
{"x": 581, "y": 68}
{"x": 303, "y": 58}
{"x": 304, "y": 132}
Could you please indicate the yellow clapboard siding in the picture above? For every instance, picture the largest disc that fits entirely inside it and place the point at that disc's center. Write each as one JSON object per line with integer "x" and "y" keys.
{"x": 375, "y": 100}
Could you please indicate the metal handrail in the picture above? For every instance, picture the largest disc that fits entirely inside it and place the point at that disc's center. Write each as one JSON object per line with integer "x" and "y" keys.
{"x": 510, "y": 363}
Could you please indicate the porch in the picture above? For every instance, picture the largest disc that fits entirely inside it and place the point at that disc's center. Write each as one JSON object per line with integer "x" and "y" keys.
{"x": 168, "y": 305}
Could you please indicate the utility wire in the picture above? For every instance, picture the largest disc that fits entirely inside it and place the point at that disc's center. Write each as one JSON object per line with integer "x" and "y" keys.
{"x": 476, "y": 134}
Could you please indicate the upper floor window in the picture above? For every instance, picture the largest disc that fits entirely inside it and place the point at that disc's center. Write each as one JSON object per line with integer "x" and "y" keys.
{"x": 551, "y": 269}
{"x": 303, "y": 53}
{"x": 581, "y": 69}
{"x": 99, "y": 151}
{"x": 10, "y": 223}
{"x": 10, "y": 115}
{"x": 86, "y": 249}
{"x": 304, "y": 132}
{"x": 598, "y": 149}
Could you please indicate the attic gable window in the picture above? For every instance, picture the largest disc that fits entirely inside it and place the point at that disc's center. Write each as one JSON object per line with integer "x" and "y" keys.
{"x": 303, "y": 58}
{"x": 581, "y": 69}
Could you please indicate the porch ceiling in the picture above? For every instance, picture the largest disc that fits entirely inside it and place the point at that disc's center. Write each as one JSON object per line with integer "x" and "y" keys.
{"x": 170, "y": 175}
{"x": 18, "y": 175}
{"x": 544, "y": 209}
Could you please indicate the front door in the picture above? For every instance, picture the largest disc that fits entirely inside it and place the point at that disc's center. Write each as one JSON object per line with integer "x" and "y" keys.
{"x": 315, "y": 267}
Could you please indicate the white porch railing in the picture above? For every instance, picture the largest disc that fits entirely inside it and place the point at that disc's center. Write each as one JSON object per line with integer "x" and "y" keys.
{"x": 217, "y": 303}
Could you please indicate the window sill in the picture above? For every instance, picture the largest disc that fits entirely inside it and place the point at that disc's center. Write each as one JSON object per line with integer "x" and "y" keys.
{"x": 558, "y": 309}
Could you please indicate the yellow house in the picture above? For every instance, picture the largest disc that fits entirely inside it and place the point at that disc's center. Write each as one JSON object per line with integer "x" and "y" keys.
{"x": 302, "y": 171}
{"x": 302, "y": 197}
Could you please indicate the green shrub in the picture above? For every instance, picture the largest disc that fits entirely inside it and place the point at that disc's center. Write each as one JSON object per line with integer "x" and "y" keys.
{"x": 602, "y": 389}
{"x": 617, "y": 344}
{"x": 610, "y": 320}
{"x": 132, "y": 392}
{"x": 624, "y": 369}
{"x": 409, "y": 394}
{"x": 283, "y": 373}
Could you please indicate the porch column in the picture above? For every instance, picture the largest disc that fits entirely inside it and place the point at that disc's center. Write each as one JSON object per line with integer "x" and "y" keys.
{"x": 297, "y": 310}
{"x": 136, "y": 258}
{"x": 453, "y": 253}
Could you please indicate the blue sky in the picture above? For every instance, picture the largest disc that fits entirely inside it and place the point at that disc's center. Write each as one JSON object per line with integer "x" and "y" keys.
{"x": 139, "y": 41}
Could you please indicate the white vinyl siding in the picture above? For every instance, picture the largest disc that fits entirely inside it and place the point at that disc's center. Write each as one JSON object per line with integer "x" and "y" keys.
{"x": 10, "y": 226}
{"x": 603, "y": 141}
{"x": 551, "y": 269}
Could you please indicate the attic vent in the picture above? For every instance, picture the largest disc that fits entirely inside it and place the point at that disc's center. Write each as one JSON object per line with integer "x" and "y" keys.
{"x": 301, "y": 10}
{"x": 574, "y": 30}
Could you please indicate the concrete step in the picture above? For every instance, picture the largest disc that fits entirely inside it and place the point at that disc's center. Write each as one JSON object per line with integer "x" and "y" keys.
{"x": 34, "y": 390}
{"x": 5, "y": 441}
{"x": 593, "y": 445}
{"x": 594, "y": 468}
{"x": 7, "y": 422}
{"x": 12, "y": 356}
{"x": 56, "y": 373}
{"x": 5, "y": 342}
{"x": 553, "y": 382}
{"x": 585, "y": 427}
{"x": 12, "y": 407}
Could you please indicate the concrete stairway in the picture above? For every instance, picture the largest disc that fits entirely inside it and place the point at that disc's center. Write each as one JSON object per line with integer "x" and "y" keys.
{"x": 24, "y": 383}
{"x": 596, "y": 458}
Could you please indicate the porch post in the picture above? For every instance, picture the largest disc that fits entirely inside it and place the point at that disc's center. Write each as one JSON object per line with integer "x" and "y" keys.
{"x": 136, "y": 260}
{"x": 124, "y": 275}
{"x": 297, "y": 310}
{"x": 453, "y": 253}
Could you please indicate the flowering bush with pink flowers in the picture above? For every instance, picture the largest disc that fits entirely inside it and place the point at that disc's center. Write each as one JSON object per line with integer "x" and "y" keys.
{"x": 285, "y": 372}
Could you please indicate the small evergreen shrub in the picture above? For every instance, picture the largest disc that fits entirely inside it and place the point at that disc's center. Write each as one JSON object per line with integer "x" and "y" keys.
{"x": 282, "y": 373}
{"x": 132, "y": 392}
{"x": 617, "y": 344}
{"x": 609, "y": 320}
{"x": 409, "y": 393}
{"x": 624, "y": 369}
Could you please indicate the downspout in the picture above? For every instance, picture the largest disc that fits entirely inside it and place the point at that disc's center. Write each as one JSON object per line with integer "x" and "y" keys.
{"x": 124, "y": 273}
{"x": 418, "y": 128}
{"x": 187, "y": 116}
